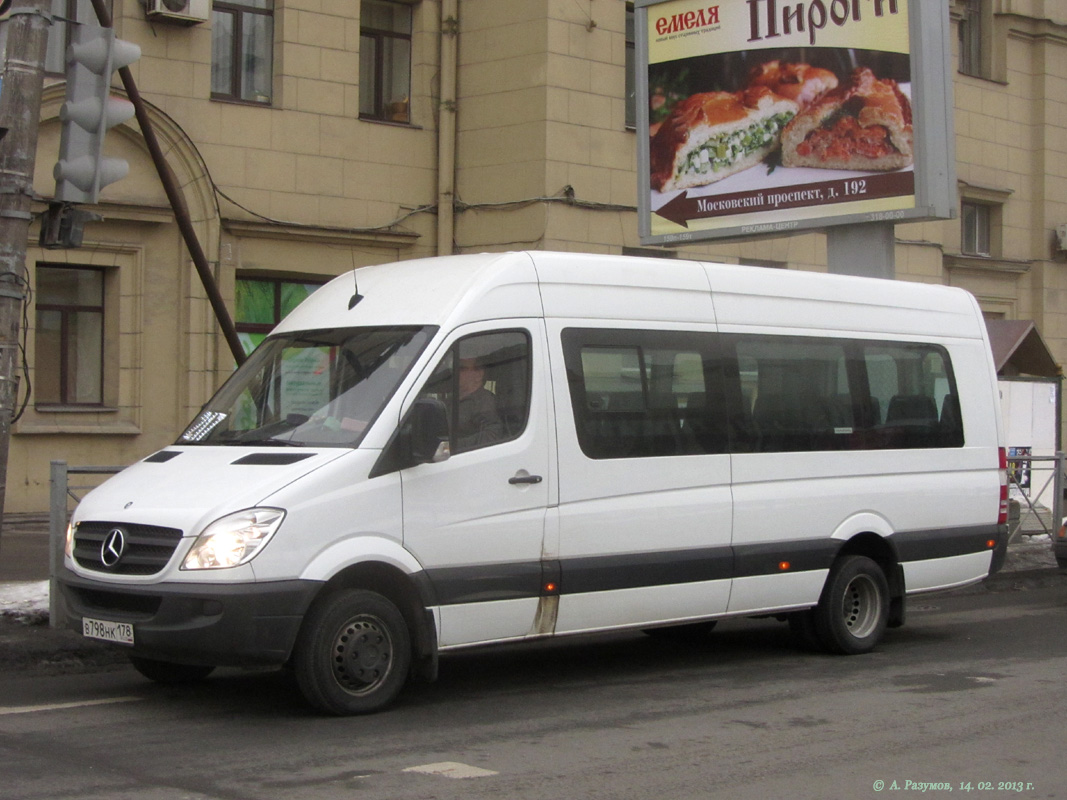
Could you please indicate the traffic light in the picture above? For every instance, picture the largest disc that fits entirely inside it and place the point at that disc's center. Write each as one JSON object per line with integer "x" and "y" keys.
{"x": 88, "y": 113}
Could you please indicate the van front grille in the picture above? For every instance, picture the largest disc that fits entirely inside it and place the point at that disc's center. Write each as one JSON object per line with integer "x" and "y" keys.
{"x": 124, "y": 549}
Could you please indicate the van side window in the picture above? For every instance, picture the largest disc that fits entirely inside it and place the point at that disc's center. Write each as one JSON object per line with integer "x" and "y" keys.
{"x": 645, "y": 393}
{"x": 915, "y": 390}
{"x": 796, "y": 394}
{"x": 484, "y": 382}
{"x": 811, "y": 394}
{"x": 640, "y": 393}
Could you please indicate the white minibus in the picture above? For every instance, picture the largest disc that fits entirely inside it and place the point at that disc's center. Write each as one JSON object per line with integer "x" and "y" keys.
{"x": 450, "y": 452}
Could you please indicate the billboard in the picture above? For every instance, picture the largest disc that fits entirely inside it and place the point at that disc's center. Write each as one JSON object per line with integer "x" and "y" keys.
{"x": 765, "y": 116}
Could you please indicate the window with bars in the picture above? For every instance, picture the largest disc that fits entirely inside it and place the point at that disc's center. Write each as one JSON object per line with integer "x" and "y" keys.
{"x": 385, "y": 60}
{"x": 242, "y": 50}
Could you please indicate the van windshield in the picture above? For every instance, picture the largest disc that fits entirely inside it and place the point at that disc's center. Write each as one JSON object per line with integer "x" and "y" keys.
{"x": 311, "y": 388}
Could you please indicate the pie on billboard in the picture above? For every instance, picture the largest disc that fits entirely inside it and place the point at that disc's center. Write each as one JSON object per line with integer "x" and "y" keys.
{"x": 862, "y": 125}
{"x": 712, "y": 135}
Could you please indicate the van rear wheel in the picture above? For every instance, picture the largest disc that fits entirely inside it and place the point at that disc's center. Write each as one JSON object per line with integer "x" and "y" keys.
{"x": 353, "y": 653}
{"x": 853, "y": 611}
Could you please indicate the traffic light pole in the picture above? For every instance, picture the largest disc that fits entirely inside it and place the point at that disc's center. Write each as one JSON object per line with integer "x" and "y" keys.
{"x": 177, "y": 202}
{"x": 20, "y": 110}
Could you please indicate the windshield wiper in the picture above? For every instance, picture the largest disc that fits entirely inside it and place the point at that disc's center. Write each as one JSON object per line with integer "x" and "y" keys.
{"x": 265, "y": 443}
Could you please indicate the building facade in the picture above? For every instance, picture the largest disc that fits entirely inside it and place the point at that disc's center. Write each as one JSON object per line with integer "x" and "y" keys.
{"x": 310, "y": 137}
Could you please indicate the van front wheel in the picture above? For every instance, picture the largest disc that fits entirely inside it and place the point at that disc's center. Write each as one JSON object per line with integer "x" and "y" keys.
{"x": 353, "y": 653}
{"x": 854, "y": 608}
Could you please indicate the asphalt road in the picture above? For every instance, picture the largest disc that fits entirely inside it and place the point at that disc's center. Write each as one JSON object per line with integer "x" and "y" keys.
{"x": 971, "y": 692}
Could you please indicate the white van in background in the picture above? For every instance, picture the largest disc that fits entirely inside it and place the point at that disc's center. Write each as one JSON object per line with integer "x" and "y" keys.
{"x": 505, "y": 447}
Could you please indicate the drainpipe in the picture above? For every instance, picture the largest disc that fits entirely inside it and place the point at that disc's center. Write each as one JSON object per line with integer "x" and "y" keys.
{"x": 446, "y": 128}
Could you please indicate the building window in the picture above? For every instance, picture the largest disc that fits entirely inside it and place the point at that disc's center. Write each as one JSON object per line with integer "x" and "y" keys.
{"x": 976, "y": 232}
{"x": 64, "y": 14}
{"x": 69, "y": 336}
{"x": 631, "y": 66}
{"x": 970, "y": 32}
{"x": 242, "y": 50}
{"x": 385, "y": 61}
{"x": 264, "y": 302}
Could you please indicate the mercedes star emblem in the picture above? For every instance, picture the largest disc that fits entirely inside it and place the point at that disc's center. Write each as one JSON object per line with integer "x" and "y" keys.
{"x": 113, "y": 547}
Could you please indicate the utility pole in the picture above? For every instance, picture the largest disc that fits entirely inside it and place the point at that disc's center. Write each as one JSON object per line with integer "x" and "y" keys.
{"x": 20, "y": 111}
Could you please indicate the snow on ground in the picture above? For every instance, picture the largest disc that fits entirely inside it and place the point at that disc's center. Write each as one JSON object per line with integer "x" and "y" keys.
{"x": 24, "y": 601}
{"x": 1031, "y": 552}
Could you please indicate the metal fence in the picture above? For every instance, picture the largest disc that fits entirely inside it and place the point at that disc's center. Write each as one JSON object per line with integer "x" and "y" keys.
{"x": 60, "y": 493}
{"x": 1037, "y": 477}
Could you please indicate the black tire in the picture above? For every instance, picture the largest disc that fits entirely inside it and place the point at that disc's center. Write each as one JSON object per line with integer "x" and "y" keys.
{"x": 854, "y": 608}
{"x": 689, "y": 633}
{"x": 167, "y": 672}
{"x": 353, "y": 653}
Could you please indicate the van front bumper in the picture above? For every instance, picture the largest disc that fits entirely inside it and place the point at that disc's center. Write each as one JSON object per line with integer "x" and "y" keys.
{"x": 210, "y": 624}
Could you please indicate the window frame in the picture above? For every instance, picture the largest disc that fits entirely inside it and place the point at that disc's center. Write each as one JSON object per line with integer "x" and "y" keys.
{"x": 602, "y": 431}
{"x": 447, "y": 370}
{"x": 238, "y": 10}
{"x": 827, "y": 419}
{"x": 63, "y": 23}
{"x": 381, "y": 112}
{"x": 630, "y": 90}
{"x": 977, "y": 226}
{"x": 65, "y": 399}
{"x": 970, "y": 34}
{"x": 264, "y": 328}
{"x": 974, "y": 38}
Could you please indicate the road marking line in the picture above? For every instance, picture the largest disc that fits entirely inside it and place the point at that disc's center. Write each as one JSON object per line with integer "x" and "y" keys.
{"x": 8, "y": 710}
{"x": 452, "y": 769}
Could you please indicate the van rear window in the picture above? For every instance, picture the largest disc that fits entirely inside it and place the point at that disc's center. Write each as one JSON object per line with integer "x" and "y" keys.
{"x": 647, "y": 393}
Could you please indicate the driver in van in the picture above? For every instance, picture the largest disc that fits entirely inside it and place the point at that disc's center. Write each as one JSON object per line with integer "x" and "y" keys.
{"x": 479, "y": 421}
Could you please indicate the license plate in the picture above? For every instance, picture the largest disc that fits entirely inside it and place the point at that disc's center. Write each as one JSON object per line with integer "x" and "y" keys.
{"x": 120, "y": 632}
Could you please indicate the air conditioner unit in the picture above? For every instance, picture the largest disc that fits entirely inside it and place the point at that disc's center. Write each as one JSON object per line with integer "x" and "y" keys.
{"x": 181, "y": 12}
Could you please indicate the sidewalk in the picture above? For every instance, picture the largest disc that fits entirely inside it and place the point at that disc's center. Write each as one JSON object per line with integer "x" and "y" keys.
{"x": 24, "y": 548}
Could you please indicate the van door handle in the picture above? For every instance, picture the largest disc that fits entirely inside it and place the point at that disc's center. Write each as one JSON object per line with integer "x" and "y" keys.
{"x": 521, "y": 479}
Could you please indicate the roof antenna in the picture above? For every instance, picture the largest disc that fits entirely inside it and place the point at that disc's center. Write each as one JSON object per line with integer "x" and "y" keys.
{"x": 357, "y": 296}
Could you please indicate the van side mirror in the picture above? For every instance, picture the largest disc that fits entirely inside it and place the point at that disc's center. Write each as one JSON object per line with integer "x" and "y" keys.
{"x": 429, "y": 431}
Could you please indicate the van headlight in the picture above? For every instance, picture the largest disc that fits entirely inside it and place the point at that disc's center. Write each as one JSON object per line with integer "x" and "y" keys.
{"x": 233, "y": 539}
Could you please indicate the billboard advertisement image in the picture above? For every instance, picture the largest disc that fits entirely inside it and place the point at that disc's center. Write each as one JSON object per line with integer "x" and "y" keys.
{"x": 762, "y": 116}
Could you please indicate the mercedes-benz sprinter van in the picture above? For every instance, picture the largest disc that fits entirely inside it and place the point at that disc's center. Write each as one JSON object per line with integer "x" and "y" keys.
{"x": 443, "y": 453}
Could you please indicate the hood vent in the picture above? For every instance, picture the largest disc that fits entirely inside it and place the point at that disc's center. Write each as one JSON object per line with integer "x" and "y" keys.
{"x": 271, "y": 459}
